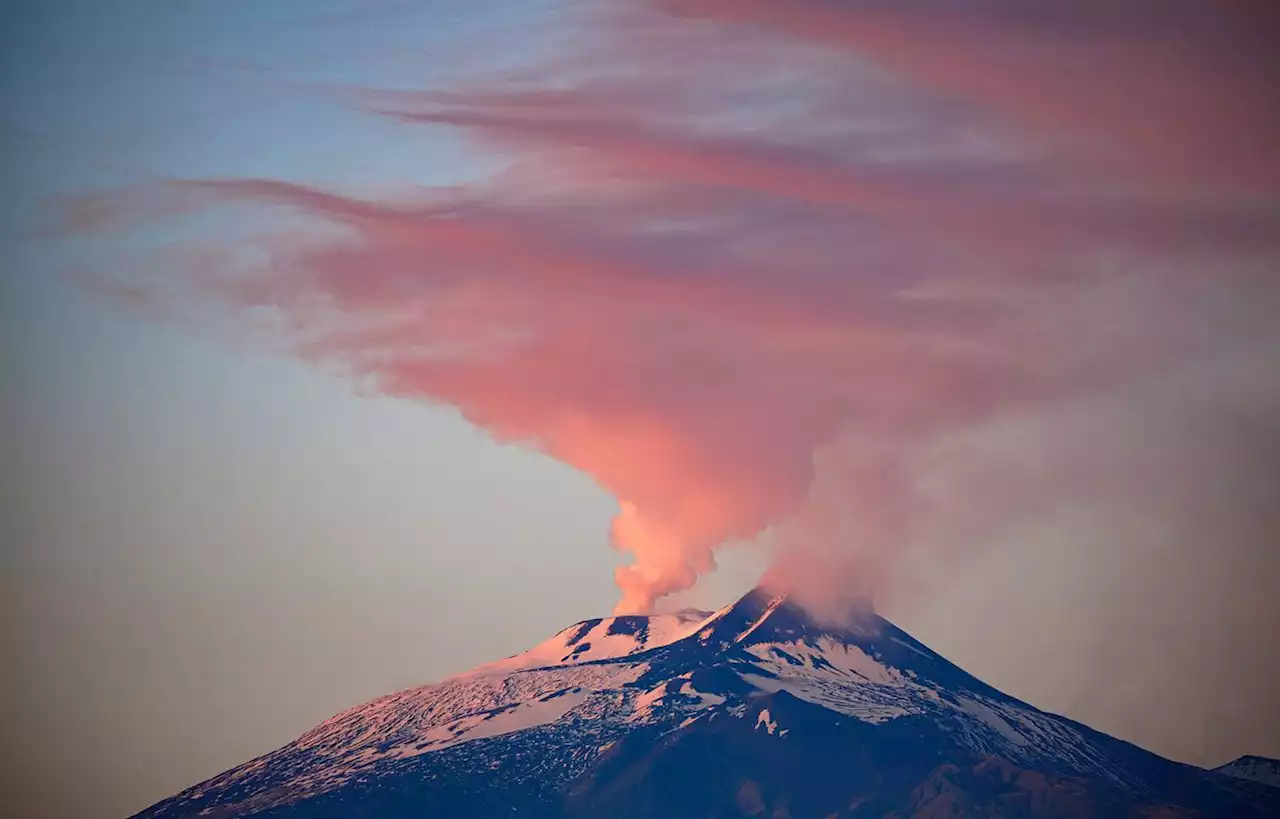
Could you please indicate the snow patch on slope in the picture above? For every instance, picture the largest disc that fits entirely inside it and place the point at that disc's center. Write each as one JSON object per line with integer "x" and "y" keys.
{"x": 463, "y": 709}
{"x": 600, "y": 639}
{"x": 769, "y": 609}
{"x": 492, "y": 724}
{"x": 1254, "y": 768}
{"x": 678, "y": 693}
{"x": 763, "y": 719}
{"x": 865, "y": 704}
{"x": 989, "y": 716}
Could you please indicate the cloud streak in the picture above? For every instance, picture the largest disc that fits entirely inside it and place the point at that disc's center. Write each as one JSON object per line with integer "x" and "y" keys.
{"x": 762, "y": 268}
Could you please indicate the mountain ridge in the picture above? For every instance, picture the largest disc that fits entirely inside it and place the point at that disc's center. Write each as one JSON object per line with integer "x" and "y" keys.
{"x": 564, "y": 731}
{"x": 1253, "y": 768}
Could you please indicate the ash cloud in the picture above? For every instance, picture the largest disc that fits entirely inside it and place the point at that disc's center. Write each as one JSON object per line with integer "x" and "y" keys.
{"x": 870, "y": 280}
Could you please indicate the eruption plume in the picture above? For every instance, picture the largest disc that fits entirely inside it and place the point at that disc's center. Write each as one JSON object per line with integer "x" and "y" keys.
{"x": 804, "y": 269}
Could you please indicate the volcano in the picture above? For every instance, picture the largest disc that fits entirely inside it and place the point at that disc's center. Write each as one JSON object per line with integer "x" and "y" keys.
{"x": 757, "y": 710}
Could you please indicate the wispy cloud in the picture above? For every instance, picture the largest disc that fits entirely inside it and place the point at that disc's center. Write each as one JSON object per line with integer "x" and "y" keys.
{"x": 758, "y": 266}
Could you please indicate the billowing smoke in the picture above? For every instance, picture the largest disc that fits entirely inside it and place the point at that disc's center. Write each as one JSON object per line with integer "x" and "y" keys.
{"x": 842, "y": 274}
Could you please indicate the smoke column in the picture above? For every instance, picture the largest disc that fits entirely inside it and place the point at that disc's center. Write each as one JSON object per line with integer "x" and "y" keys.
{"x": 872, "y": 279}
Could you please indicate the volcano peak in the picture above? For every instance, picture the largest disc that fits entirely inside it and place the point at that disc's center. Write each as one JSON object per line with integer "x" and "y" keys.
{"x": 670, "y": 714}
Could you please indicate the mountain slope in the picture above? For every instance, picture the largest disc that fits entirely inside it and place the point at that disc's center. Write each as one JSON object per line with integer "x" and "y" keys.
{"x": 1253, "y": 768}
{"x": 755, "y": 710}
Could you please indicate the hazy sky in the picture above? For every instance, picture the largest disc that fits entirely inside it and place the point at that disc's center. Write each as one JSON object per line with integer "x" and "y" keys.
{"x": 974, "y": 310}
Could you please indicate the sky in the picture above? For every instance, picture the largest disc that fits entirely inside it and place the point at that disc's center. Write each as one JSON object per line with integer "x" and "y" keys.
{"x": 348, "y": 345}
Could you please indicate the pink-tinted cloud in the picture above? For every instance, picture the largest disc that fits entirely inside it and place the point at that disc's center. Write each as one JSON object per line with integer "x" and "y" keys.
{"x": 1184, "y": 90}
{"x": 755, "y": 270}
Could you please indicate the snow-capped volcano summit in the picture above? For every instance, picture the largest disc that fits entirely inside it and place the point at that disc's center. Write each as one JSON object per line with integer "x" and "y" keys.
{"x": 755, "y": 710}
